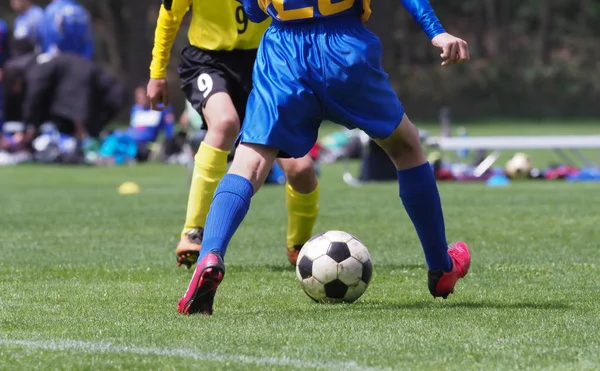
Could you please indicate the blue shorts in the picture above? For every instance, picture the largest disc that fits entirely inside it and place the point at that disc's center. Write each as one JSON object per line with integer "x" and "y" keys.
{"x": 310, "y": 72}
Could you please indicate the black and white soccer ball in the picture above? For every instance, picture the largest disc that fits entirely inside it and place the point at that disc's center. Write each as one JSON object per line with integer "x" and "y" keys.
{"x": 334, "y": 267}
{"x": 519, "y": 166}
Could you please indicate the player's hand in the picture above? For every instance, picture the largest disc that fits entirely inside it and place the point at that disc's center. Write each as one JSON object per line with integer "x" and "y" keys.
{"x": 454, "y": 50}
{"x": 158, "y": 93}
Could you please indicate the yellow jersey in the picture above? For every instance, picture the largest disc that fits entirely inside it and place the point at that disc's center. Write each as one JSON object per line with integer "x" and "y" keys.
{"x": 215, "y": 25}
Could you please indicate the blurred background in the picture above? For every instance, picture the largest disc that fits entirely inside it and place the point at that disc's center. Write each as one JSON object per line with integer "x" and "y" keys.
{"x": 533, "y": 61}
{"x": 530, "y": 58}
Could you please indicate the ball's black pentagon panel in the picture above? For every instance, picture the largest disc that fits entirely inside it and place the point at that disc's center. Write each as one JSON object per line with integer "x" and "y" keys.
{"x": 338, "y": 251}
{"x": 367, "y": 272}
{"x": 305, "y": 267}
{"x": 336, "y": 289}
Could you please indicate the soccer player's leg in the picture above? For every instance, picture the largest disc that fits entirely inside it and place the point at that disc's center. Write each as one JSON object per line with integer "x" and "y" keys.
{"x": 282, "y": 119}
{"x": 230, "y": 205}
{"x": 374, "y": 107}
{"x": 207, "y": 89}
{"x": 302, "y": 201}
{"x": 421, "y": 199}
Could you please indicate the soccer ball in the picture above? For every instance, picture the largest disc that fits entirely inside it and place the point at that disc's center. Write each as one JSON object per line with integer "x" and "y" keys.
{"x": 519, "y": 166}
{"x": 334, "y": 267}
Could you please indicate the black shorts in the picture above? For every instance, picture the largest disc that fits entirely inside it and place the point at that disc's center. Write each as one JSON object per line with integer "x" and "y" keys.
{"x": 207, "y": 72}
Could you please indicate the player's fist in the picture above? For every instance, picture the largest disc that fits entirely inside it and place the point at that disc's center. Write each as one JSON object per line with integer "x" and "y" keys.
{"x": 454, "y": 50}
{"x": 158, "y": 93}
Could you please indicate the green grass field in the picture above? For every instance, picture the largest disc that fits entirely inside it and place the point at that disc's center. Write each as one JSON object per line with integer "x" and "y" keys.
{"x": 88, "y": 279}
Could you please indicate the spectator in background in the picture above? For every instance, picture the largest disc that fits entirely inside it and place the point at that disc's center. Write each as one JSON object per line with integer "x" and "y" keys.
{"x": 3, "y": 43}
{"x": 146, "y": 124}
{"x": 68, "y": 29}
{"x": 3, "y": 58}
{"x": 71, "y": 92}
{"x": 29, "y": 22}
{"x": 144, "y": 129}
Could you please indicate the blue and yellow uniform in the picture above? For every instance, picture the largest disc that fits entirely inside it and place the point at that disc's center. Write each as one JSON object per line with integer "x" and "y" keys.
{"x": 317, "y": 61}
{"x": 219, "y": 59}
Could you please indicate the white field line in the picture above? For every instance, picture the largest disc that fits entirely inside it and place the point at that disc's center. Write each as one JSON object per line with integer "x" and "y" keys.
{"x": 96, "y": 347}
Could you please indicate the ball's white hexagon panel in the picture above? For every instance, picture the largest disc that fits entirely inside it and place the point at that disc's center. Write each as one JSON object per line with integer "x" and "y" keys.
{"x": 314, "y": 248}
{"x": 325, "y": 269}
{"x": 350, "y": 271}
{"x": 338, "y": 236}
{"x": 358, "y": 250}
{"x": 314, "y": 288}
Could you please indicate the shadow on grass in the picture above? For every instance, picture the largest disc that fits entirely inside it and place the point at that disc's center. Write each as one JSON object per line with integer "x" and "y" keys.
{"x": 380, "y": 306}
{"x": 437, "y": 304}
{"x": 290, "y": 268}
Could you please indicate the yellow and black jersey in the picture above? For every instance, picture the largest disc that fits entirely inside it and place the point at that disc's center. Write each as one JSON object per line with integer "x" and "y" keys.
{"x": 215, "y": 25}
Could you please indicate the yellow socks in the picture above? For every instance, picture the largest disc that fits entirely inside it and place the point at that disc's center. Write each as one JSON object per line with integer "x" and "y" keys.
{"x": 302, "y": 214}
{"x": 210, "y": 165}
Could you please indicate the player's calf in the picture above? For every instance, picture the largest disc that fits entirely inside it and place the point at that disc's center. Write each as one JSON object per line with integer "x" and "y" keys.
{"x": 302, "y": 202}
{"x": 421, "y": 200}
{"x": 403, "y": 146}
{"x": 300, "y": 173}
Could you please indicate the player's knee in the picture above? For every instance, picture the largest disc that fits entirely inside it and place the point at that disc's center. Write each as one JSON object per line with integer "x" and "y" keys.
{"x": 253, "y": 162}
{"x": 300, "y": 174}
{"x": 404, "y": 145}
{"x": 223, "y": 130}
{"x": 227, "y": 124}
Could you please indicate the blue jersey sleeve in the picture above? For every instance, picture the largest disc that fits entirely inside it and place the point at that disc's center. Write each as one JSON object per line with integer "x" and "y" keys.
{"x": 253, "y": 10}
{"x": 423, "y": 13}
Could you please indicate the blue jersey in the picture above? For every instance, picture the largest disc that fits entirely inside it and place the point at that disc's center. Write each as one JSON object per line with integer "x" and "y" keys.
{"x": 301, "y": 10}
{"x": 306, "y": 10}
{"x": 30, "y": 25}
{"x": 68, "y": 29}
{"x": 146, "y": 124}
{"x": 316, "y": 62}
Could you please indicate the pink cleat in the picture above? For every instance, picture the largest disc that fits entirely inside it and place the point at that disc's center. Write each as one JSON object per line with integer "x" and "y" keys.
{"x": 201, "y": 291}
{"x": 441, "y": 284}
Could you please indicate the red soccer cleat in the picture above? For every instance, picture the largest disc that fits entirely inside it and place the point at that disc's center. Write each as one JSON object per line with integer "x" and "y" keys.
{"x": 201, "y": 291}
{"x": 441, "y": 284}
{"x": 292, "y": 253}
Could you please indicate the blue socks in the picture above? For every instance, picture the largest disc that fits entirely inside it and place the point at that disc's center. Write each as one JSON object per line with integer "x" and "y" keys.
{"x": 418, "y": 191}
{"x": 229, "y": 207}
{"x": 420, "y": 197}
